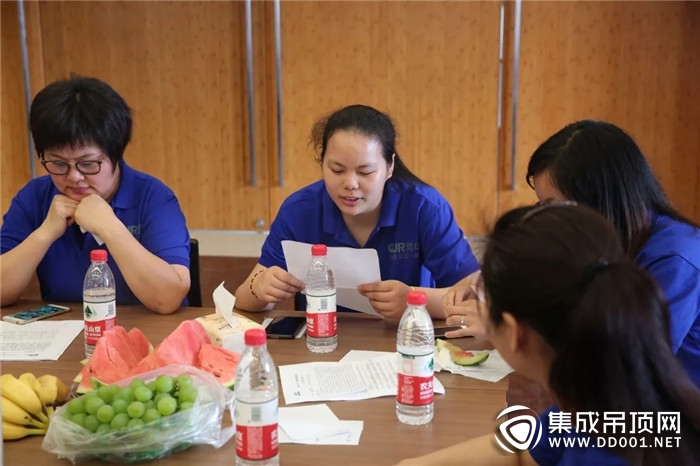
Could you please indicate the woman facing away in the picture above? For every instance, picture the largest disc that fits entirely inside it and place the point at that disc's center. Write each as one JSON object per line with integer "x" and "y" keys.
{"x": 597, "y": 164}
{"x": 569, "y": 309}
{"x": 367, "y": 198}
{"x": 81, "y": 127}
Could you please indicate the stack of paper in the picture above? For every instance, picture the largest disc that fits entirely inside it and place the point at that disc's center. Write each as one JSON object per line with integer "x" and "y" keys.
{"x": 316, "y": 425}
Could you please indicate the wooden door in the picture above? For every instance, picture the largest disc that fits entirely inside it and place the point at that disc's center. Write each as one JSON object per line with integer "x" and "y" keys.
{"x": 433, "y": 66}
{"x": 181, "y": 68}
{"x": 635, "y": 64}
{"x": 14, "y": 145}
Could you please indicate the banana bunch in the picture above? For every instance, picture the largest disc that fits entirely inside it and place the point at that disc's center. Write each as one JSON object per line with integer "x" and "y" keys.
{"x": 28, "y": 402}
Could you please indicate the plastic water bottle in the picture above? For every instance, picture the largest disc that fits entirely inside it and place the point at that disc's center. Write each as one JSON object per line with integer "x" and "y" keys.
{"x": 99, "y": 300}
{"x": 321, "y": 313}
{"x": 256, "y": 403}
{"x": 415, "y": 343}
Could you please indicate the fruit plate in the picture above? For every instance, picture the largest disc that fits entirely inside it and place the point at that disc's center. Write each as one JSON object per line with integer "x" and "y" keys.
{"x": 73, "y": 437}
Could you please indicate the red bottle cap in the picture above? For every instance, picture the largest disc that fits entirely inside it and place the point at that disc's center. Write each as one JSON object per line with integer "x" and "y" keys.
{"x": 417, "y": 298}
{"x": 255, "y": 337}
{"x": 319, "y": 250}
{"x": 98, "y": 255}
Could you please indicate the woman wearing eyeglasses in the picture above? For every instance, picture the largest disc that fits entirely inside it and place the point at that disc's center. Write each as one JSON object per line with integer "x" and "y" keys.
{"x": 92, "y": 199}
{"x": 597, "y": 164}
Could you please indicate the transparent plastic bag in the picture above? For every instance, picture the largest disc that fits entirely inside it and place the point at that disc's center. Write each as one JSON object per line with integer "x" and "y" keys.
{"x": 201, "y": 424}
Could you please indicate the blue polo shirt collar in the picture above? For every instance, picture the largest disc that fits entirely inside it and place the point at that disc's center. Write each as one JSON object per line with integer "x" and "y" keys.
{"x": 124, "y": 198}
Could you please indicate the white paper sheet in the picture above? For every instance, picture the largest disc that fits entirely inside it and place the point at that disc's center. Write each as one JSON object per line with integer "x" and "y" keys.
{"x": 37, "y": 341}
{"x": 316, "y": 425}
{"x": 357, "y": 379}
{"x": 491, "y": 370}
{"x": 224, "y": 302}
{"x": 351, "y": 267}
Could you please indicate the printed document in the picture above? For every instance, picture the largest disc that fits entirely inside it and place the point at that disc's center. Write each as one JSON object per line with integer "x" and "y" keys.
{"x": 356, "y": 379}
{"x": 37, "y": 341}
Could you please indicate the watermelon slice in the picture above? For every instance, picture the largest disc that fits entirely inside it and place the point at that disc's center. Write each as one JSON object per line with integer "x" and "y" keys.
{"x": 114, "y": 355}
{"x": 180, "y": 347}
{"x": 460, "y": 356}
{"x": 219, "y": 362}
{"x": 120, "y": 354}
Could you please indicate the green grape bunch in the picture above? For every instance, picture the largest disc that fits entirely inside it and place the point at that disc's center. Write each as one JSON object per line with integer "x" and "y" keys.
{"x": 113, "y": 408}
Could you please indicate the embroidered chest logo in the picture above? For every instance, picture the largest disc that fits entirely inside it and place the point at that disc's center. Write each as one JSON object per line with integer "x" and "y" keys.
{"x": 135, "y": 230}
{"x": 403, "y": 250}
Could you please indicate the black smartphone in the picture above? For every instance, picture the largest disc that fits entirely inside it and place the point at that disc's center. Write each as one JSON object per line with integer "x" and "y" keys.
{"x": 440, "y": 331}
{"x": 285, "y": 327}
{"x": 32, "y": 315}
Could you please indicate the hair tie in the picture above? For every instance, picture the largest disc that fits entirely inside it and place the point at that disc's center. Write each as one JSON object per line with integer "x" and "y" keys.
{"x": 591, "y": 269}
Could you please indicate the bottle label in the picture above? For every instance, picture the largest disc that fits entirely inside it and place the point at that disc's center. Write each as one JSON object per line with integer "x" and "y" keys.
{"x": 321, "y": 316}
{"x": 99, "y": 317}
{"x": 256, "y": 429}
{"x": 415, "y": 379}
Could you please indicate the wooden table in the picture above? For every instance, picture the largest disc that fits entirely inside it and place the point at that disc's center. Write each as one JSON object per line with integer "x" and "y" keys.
{"x": 468, "y": 408}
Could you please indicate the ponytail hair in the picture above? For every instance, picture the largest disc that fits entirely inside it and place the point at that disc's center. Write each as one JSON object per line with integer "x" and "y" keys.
{"x": 561, "y": 270}
{"x": 616, "y": 356}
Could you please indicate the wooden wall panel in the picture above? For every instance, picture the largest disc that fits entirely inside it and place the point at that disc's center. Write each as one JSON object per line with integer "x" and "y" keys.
{"x": 14, "y": 150}
{"x": 688, "y": 98}
{"x": 431, "y": 65}
{"x": 635, "y": 64}
{"x": 181, "y": 67}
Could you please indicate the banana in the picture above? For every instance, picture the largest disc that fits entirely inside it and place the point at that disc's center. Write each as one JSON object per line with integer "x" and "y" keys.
{"x": 57, "y": 389}
{"x": 27, "y": 379}
{"x": 22, "y": 396}
{"x": 46, "y": 389}
{"x": 63, "y": 390}
{"x": 13, "y": 431}
{"x": 16, "y": 415}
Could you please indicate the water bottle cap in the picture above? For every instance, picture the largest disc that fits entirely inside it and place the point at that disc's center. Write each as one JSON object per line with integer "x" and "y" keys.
{"x": 98, "y": 255}
{"x": 319, "y": 250}
{"x": 255, "y": 337}
{"x": 417, "y": 298}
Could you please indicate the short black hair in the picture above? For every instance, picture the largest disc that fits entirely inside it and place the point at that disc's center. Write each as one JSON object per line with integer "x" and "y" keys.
{"x": 79, "y": 111}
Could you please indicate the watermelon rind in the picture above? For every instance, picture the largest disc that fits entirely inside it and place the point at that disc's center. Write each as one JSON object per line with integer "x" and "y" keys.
{"x": 467, "y": 358}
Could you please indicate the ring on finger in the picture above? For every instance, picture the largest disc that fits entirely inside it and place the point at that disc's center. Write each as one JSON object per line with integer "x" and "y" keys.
{"x": 461, "y": 321}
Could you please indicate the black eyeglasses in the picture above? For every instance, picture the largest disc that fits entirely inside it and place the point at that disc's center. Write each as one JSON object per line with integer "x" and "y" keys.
{"x": 544, "y": 205}
{"x": 86, "y": 167}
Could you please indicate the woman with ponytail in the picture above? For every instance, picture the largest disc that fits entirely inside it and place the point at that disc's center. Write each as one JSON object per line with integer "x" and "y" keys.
{"x": 599, "y": 165}
{"x": 568, "y": 309}
{"x": 367, "y": 199}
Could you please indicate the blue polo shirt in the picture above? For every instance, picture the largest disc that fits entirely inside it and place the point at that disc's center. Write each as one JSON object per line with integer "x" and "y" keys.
{"x": 671, "y": 255}
{"x": 147, "y": 207}
{"x": 417, "y": 238}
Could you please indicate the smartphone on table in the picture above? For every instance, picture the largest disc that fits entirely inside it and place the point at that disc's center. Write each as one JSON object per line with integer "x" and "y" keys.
{"x": 440, "y": 331}
{"x": 32, "y": 315}
{"x": 285, "y": 327}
